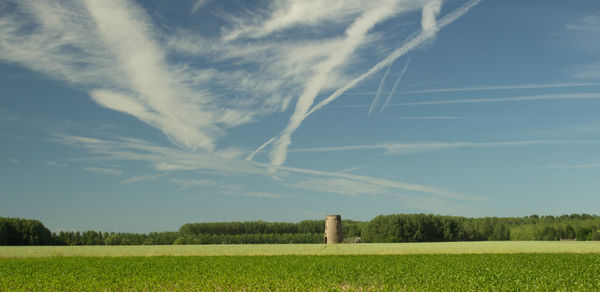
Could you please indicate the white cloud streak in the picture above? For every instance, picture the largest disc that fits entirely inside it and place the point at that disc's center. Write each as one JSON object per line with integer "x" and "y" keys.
{"x": 101, "y": 170}
{"x": 114, "y": 51}
{"x": 53, "y": 163}
{"x": 279, "y": 152}
{"x": 355, "y": 34}
{"x": 390, "y": 185}
{"x": 242, "y": 191}
{"x": 389, "y": 97}
{"x": 197, "y": 5}
{"x": 429, "y": 118}
{"x": 492, "y": 88}
{"x": 141, "y": 178}
{"x": 504, "y": 99}
{"x": 188, "y": 183}
{"x": 409, "y": 148}
{"x": 410, "y": 45}
{"x": 167, "y": 159}
{"x": 158, "y": 99}
{"x": 376, "y": 99}
{"x": 251, "y": 155}
{"x": 503, "y": 87}
{"x": 340, "y": 186}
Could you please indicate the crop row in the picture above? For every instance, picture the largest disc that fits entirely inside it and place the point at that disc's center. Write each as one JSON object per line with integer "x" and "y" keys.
{"x": 263, "y": 273}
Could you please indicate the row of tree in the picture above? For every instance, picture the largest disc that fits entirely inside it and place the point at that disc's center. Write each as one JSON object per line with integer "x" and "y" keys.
{"x": 421, "y": 228}
{"x": 16, "y": 231}
{"x": 250, "y": 238}
{"x": 105, "y": 238}
{"x": 349, "y": 227}
{"x": 384, "y": 228}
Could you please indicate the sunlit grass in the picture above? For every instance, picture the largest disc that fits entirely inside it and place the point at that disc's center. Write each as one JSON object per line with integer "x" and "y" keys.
{"x": 305, "y": 249}
{"x": 424, "y": 272}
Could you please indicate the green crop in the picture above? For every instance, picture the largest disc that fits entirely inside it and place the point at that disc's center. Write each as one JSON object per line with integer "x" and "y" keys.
{"x": 307, "y": 272}
{"x": 305, "y": 249}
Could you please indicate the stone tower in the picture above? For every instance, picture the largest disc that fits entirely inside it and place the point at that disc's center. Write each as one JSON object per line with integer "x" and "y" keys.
{"x": 333, "y": 229}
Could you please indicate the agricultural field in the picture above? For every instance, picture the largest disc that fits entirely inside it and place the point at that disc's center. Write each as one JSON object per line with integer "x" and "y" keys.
{"x": 426, "y": 266}
{"x": 483, "y": 247}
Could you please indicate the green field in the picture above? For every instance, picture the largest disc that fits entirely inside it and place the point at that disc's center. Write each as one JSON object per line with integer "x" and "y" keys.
{"x": 305, "y": 249}
{"x": 384, "y": 267}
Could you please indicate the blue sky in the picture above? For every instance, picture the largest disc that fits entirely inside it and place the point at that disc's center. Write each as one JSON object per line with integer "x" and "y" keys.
{"x": 141, "y": 116}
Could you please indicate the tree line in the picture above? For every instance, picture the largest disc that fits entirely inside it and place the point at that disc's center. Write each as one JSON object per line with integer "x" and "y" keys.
{"x": 432, "y": 228}
{"x": 16, "y": 231}
{"x": 383, "y": 228}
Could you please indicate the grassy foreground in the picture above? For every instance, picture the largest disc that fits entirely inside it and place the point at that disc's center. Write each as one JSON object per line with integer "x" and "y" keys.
{"x": 545, "y": 272}
{"x": 572, "y": 266}
{"x": 305, "y": 249}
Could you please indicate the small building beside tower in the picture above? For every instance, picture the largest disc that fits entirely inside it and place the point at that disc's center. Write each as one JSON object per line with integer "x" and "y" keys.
{"x": 333, "y": 229}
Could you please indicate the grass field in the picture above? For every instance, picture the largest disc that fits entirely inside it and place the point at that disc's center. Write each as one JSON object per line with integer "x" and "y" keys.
{"x": 306, "y": 249}
{"x": 573, "y": 266}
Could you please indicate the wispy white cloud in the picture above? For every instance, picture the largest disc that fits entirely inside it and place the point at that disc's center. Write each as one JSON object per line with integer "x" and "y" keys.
{"x": 288, "y": 14}
{"x": 265, "y": 195}
{"x": 493, "y": 100}
{"x": 340, "y": 186}
{"x": 251, "y": 155}
{"x": 503, "y": 87}
{"x": 410, "y": 45}
{"x": 409, "y": 148}
{"x": 238, "y": 190}
{"x": 279, "y": 152}
{"x": 101, "y": 170}
{"x": 197, "y": 5}
{"x": 188, "y": 183}
{"x": 54, "y": 163}
{"x": 587, "y": 23}
{"x": 429, "y": 118}
{"x": 490, "y": 88}
{"x": 141, "y": 178}
{"x": 351, "y": 169}
{"x": 354, "y": 35}
{"x": 504, "y": 99}
{"x": 584, "y": 34}
{"x": 587, "y": 71}
{"x": 168, "y": 159}
{"x": 13, "y": 160}
{"x": 113, "y": 50}
{"x": 389, "y": 97}
{"x": 389, "y": 184}
{"x": 376, "y": 99}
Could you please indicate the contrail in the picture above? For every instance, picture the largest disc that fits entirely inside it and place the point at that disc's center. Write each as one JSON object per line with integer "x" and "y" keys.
{"x": 355, "y": 34}
{"x": 379, "y": 88}
{"x": 260, "y": 148}
{"x": 504, "y": 99}
{"x": 490, "y": 100}
{"x": 395, "y": 85}
{"x": 420, "y": 38}
{"x": 505, "y": 87}
{"x": 409, "y": 148}
{"x": 492, "y": 88}
{"x": 278, "y": 154}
